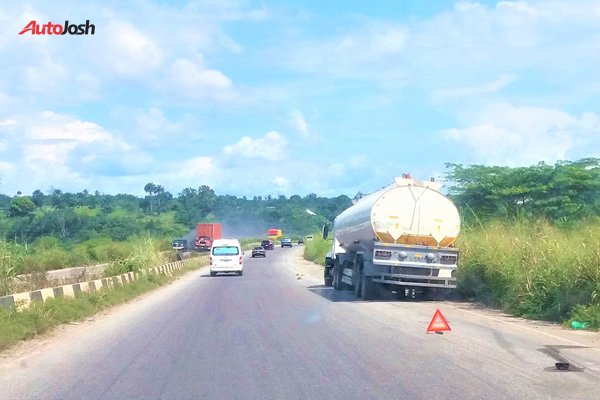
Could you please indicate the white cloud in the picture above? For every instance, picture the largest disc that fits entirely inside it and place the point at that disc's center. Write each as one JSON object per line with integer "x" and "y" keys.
{"x": 45, "y": 76}
{"x": 476, "y": 90}
{"x": 7, "y": 122}
{"x": 56, "y": 127}
{"x": 273, "y": 146}
{"x": 153, "y": 125}
{"x": 194, "y": 80}
{"x": 281, "y": 182}
{"x": 298, "y": 122}
{"x": 129, "y": 51}
{"x": 357, "y": 161}
{"x": 507, "y": 134}
{"x": 366, "y": 53}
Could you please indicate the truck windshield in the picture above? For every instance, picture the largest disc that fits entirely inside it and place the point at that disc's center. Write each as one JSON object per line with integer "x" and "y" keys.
{"x": 225, "y": 251}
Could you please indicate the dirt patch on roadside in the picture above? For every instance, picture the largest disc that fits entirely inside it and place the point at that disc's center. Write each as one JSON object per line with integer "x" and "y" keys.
{"x": 305, "y": 269}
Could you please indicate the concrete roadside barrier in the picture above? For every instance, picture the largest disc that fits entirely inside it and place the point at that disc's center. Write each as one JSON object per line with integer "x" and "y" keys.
{"x": 23, "y": 300}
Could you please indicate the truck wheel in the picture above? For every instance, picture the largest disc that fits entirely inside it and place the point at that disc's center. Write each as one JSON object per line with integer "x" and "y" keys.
{"x": 213, "y": 274}
{"x": 327, "y": 276}
{"x": 357, "y": 276}
{"x": 357, "y": 282}
{"x": 336, "y": 276}
{"x": 368, "y": 288}
{"x": 338, "y": 270}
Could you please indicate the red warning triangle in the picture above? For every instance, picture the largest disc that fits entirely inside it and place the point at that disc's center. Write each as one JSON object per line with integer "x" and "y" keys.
{"x": 438, "y": 323}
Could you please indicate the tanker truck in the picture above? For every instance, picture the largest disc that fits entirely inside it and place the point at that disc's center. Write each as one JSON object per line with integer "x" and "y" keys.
{"x": 400, "y": 237}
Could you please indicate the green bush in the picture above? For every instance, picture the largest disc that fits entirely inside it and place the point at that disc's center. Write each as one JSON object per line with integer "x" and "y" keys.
{"x": 145, "y": 255}
{"x": 11, "y": 264}
{"x": 315, "y": 250}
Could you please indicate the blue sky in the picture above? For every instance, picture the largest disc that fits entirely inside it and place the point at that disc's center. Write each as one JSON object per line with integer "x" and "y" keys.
{"x": 256, "y": 98}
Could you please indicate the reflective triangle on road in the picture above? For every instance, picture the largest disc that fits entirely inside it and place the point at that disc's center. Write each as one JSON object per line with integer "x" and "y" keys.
{"x": 438, "y": 323}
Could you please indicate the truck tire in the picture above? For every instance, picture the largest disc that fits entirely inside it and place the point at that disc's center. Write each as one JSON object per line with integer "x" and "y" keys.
{"x": 327, "y": 276}
{"x": 357, "y": 276}
{"x": 338, "y": 271}
{"x": 368, "y": 288}
{"x": 337, "y": 276}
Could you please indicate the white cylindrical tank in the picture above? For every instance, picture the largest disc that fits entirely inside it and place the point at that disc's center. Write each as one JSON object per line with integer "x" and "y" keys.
{"x": 406, "y": 212}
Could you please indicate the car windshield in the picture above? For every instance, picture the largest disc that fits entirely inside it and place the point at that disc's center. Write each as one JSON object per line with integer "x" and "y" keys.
{"x": 225, "y": 251}
{"x": 258, "y": 248}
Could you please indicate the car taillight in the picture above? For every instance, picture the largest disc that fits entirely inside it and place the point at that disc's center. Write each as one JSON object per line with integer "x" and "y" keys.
{"x": 241, "y": 260}
{"x": 210, "y": 260}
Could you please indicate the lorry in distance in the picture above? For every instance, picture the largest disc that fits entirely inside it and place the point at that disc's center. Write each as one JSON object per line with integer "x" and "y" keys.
{"x": 206, "y": 234}
{"x": 274, "y": 234}
{"x": 400, "y": 237}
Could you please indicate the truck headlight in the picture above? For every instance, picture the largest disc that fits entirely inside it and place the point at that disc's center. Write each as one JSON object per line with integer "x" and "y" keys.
{"x": 402, "y": 255}
{"x": 430, "y": 257}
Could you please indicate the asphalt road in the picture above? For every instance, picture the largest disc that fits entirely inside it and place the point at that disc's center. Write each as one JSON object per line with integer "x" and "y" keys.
{"x": 270, "y": 335}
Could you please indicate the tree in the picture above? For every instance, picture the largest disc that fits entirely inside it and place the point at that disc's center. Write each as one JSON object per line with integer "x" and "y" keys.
{"x": 566, "y": 191}
{"x": 21, "y": 206}
{"x": 38, "y": 198}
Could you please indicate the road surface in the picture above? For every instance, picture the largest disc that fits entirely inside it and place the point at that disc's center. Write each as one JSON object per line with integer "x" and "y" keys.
{"x": 277, "y": 333}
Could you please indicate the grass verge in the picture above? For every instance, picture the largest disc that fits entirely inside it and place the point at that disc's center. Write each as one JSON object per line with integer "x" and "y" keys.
{"x": 315, "y": 250}
{"x": 42, "y": 317}
{"x": 534, "y": 269}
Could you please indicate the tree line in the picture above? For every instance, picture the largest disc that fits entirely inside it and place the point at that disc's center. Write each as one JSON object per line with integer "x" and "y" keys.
{"x": 77, "y": 217}
{"x": 563, "y": 193}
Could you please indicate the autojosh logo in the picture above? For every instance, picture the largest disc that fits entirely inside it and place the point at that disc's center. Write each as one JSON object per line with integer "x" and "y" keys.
{"x": 56, "y": 29}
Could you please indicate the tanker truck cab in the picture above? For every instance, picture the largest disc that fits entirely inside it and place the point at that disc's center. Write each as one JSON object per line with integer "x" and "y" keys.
{"x": 226, "y": 256}
{"x": 400, "y": 238}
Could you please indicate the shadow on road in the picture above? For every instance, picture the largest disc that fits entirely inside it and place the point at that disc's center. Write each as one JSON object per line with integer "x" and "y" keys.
{"x": 220, "y": 275}
{"x": 333, "y": 295}
{"x": 383, "y": 295}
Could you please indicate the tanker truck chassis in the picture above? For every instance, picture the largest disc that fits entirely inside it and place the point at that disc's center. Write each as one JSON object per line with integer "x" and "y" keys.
{"x": 405, "y": 269}
{"x": 400, "y": 238}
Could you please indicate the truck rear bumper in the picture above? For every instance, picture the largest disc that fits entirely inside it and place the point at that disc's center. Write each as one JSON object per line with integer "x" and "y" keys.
{"x": 416, "y": 280}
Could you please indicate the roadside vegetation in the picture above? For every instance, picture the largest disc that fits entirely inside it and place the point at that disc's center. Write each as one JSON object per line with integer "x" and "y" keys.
{"x": 315, "y": 250}
{"x": 533, "y": 269}
{"x": 530, "y": 241}
{"x": 42, "y": 317}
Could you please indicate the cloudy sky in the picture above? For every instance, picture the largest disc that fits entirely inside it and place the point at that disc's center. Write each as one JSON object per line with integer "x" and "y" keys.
{"x": 273, "y": 97}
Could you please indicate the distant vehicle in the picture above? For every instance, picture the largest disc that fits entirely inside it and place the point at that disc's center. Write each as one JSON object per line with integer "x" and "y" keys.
{"x": 180, "y": 245}
{"x": 286, "y": 242}
{"x": 274, "y": 234}
{"x": 268, "y": 245}
{"x": 205, "y": 235}
{"x": 300, "y": 241}
{"x": 309, "y": 237}
{"x": 226, "y": 256}
{"x": 259, "y": 251}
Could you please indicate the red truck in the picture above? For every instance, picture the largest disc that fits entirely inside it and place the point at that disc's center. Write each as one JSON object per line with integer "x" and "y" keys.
{"x": 206, "y": 234}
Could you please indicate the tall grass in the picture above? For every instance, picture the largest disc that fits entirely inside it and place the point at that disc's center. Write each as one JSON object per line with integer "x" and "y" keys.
{"x": 315, "y": 250}
{"x": 11, "y": 264}
{"x": 531, "y": 268}
{"x": 145, "y": 254}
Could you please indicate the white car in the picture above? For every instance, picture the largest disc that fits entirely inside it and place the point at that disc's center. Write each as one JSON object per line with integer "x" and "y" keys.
{"x": 226, "y": 255}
